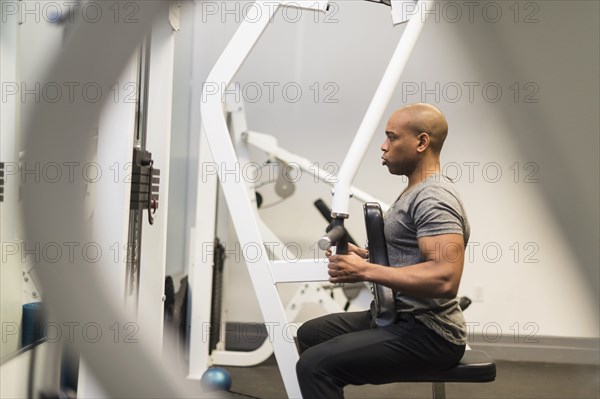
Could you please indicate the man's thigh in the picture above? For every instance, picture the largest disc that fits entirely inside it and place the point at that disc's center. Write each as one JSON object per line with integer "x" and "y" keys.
{"x": 321, "y": 329}
{"x": 382, "y": 355}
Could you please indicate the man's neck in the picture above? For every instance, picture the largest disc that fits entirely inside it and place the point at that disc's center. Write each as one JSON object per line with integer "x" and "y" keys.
{"x": 424, "y": 171}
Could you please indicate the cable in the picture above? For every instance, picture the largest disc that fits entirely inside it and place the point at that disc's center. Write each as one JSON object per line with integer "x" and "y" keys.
{"x": 384, "y": 2}
{"x": 273, "y": 204}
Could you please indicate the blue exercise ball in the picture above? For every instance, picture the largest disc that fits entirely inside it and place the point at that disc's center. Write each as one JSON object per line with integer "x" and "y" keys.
{"x": 215, "y": 379}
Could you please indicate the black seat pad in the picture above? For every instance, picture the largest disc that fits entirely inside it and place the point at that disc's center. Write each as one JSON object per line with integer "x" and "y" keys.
{"x": 475, "y": 366}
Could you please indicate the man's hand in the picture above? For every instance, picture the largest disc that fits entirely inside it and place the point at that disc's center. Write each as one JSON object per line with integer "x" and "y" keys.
{"x": 352, "y": 249}
{"x": 349, "y": 268}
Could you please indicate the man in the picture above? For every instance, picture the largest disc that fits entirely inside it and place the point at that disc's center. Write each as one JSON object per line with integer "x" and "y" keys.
{"x": 426, "y": 232}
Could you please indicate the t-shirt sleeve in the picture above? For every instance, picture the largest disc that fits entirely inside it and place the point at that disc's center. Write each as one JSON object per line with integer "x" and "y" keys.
{"x": 437, "y": 211}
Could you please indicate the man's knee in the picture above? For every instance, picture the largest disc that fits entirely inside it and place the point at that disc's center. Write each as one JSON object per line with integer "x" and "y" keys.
{"x": 307, "y": 335}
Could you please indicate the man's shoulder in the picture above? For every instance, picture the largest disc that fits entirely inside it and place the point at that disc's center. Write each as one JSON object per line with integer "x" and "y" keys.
{"x": 436, "y": 186}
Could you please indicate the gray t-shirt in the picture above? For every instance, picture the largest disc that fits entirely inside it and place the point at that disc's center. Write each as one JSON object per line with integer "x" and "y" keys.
{"x": 430, "y": 208}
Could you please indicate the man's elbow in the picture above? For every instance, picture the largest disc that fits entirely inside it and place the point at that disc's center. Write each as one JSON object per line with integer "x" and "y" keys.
{"x": 448, "y": 289}
{"x": 451, "y": 293}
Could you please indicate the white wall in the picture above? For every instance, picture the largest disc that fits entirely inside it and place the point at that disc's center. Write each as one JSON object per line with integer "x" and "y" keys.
{"x": 544, "y": 284}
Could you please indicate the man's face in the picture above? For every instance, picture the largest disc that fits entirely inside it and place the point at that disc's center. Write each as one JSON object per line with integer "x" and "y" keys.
{"x": 400, "y": 153}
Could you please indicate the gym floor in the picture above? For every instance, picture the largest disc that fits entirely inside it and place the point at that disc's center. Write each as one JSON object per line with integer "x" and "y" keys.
{"x": 514, "y": 380}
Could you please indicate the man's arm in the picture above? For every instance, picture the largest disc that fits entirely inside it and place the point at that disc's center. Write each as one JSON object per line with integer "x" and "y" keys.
{"x": 438, "y": 276}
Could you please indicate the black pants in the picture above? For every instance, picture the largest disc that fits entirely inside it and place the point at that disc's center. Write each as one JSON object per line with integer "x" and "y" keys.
{"x": 342, "y": 349}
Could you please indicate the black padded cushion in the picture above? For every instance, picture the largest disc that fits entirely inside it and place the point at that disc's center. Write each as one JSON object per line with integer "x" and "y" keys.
{"x": 475, "y": 366}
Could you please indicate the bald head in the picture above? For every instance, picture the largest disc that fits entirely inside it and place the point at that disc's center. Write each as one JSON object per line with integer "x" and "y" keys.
{"x": 423, "y": 118}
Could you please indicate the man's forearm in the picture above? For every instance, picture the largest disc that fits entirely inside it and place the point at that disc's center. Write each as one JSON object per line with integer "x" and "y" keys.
{"x": 426, "y": 280}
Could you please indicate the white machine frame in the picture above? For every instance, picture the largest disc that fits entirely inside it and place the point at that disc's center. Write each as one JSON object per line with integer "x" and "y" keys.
{"x": 265, "y": 275}
{"x": 310, "y": 292}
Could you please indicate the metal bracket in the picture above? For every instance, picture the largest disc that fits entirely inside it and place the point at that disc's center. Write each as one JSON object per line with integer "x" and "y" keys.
{"x": 145, "y": 181}
{"x": 1, "y": 181}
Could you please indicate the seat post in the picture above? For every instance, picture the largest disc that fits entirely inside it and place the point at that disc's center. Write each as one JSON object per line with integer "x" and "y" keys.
{"x": 439, "y": 390}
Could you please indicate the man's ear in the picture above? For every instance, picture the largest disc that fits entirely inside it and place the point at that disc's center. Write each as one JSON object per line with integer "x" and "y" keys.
{"x": 424, "y": 141}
